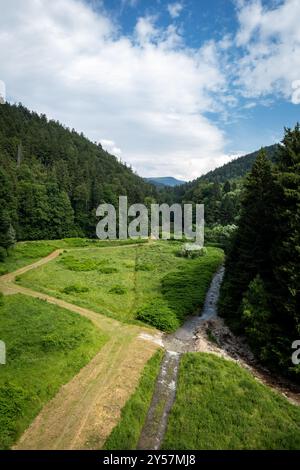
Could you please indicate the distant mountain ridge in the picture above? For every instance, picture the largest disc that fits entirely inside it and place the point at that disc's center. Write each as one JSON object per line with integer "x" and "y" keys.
{"x": 165, "y": 181}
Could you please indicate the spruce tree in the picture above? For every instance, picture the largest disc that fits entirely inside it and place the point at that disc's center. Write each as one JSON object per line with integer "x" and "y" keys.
{"x": 250, "y": 252}
{"x": 286, "y": 246}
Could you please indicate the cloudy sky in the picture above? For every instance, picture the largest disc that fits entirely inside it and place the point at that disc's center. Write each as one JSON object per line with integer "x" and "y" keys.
{"x": 171, "y": 87}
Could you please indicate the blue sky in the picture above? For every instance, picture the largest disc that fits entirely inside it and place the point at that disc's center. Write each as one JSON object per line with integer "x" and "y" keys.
{"x": 171, "y": 87}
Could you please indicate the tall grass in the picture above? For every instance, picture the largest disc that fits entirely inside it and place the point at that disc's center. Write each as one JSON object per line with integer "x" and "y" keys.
{"x": 45, "y": 347}
{"x": 219, "y": 405}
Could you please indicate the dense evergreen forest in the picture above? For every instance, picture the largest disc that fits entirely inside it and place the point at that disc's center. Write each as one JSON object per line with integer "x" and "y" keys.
{"x": 52, "y": 179}
{"x": 260, "y": 294}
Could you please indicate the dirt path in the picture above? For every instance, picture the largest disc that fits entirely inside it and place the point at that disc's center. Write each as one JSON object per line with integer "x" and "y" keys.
{"x": 85, "y": 410}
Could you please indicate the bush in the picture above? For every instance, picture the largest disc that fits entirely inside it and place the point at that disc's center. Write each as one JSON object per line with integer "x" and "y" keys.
{"x": 220, "y": 235}
{"x": 256, "y": 317}
{"x": 74, "y": 264}
{"x": 3, "y": 254}
{"x": 107, "y": 270}
{"x": 158, "y": 314}
{"x": 118, "y": 290}
{"x": 192, "y": 250}
{"x": 75, "y": 288}
{"x": 1, "y": 298}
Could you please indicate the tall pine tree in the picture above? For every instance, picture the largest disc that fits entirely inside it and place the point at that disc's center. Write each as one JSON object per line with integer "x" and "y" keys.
{"x": 250, "y": 254}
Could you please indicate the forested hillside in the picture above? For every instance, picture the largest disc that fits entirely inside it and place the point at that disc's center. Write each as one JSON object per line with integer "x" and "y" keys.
{"x": 237, "y": 168}
{"x": 52, "y": 179}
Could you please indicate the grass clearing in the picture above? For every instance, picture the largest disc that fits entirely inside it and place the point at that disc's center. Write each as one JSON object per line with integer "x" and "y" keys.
{"x": 126, "y": 434}
{"x": 130, "y": 283}
{"x": 46, "y": 346}
{"x": 28, "y": 252}
{"x": 219, "y": 405}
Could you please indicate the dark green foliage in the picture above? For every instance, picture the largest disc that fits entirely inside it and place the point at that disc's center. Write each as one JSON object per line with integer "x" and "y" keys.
{"x": 107, "y": 270}
{"x": 3, "y": 254}
{"x": 158, "y": 314}
{"x": 185, "y": 289}
{"x": 53, "y": 179}
{"x": 238, "y": 167}
{"x": 260, "y": 294}
{"x": 250, "y": 253}
{"x": 256, "y": 317}
{"x": 220, "y": 235}
{"x": 118, "y": 290}
{"x": 7, "y": 232}
{"x": 126, "y": 434}
{"x": 75, "y": 288}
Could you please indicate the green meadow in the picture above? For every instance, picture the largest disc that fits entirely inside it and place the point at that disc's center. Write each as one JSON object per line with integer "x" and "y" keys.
{"x": 148, "y": 283}
{"x": 46, "y": 347}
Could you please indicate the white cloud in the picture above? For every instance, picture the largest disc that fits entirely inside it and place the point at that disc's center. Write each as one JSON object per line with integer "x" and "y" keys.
{"x": 111, "y": 147}
{"x": 271, "y": 39}
{"x": 147, "y": 95}
{"x": 175, "y": 9}
{"x": 2, "y": 92}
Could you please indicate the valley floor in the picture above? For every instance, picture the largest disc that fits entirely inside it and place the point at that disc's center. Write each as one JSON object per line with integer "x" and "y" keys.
{"x": 107, "y": 403}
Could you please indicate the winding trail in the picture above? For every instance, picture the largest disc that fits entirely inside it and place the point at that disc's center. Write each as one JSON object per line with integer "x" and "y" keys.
{"x": 182, "y": 341}
{"x": 86, "y": 409}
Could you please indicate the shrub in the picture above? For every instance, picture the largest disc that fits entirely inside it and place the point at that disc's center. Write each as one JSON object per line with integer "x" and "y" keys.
{"x": 220, "y": 235}
{"x": 256, "y": 316}
{"x": 192, "y": 250}
{"x": 56, "y": 342}
{"x": 3, "y": 254}
{"x": 107, "y": 270}
{"x": 118, "y": 290}
{"x": 158, "y": 314}
{"x": 12, "y": 402}
{"x": 74, "y": 264}
{"x": 75, "y": 288}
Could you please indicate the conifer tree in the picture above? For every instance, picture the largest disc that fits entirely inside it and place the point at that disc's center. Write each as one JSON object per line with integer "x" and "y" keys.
{"x": 286, "y": 246}
{"x": 250, "y": 255}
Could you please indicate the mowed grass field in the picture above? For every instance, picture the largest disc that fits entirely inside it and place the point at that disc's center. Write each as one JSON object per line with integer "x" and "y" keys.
{"x": 219, "y": 405}
{"x": 148, "y": 283}
{"x": 46, "y": 346}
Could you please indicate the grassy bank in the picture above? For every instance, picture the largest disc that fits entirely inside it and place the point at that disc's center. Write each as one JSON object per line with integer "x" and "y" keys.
{"x": 219, "y": 405}
{"x": 46, "y": 346}
{"x": 126, "y": 434}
